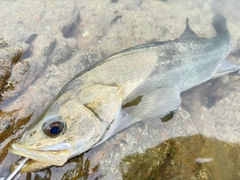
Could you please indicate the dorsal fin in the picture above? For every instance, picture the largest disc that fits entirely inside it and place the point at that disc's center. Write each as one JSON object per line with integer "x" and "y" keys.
{"x": 188, "y": 32}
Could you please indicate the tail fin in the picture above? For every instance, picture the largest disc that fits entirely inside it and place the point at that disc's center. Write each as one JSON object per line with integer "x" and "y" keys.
{"x": 219, "y": 23}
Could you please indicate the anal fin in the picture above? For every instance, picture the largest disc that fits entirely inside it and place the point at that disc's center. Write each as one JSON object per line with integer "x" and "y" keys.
{"x": 225, "y": 67}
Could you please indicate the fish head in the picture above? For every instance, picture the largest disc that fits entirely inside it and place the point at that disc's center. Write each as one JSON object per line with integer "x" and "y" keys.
{"x": 66, "y": 129}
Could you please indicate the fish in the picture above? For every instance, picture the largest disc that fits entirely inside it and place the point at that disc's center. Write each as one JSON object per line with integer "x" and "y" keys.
{"x": 137, "y": 84}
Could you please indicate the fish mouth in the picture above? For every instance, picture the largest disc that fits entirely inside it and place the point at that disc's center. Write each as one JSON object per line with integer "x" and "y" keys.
{"x": 56, "y": 155}
{"x": 29, "y": 166}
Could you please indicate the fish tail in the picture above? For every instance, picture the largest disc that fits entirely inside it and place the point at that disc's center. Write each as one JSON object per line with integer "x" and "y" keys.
{"x": 219, "y": 23}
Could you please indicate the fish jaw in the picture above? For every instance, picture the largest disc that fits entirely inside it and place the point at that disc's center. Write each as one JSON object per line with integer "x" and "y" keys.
{"x": 30, "y": 166}
{"x": 53, "y": 155}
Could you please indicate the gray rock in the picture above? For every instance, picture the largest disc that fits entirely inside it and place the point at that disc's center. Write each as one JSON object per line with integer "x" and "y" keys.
{"x": 61, "y": 38}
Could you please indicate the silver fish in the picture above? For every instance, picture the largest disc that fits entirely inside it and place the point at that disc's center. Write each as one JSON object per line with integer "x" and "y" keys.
{"x": 142, "y": 82}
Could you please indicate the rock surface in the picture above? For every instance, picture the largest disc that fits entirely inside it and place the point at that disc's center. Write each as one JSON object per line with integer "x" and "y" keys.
{"x": 8, "y": 57}
{"x": 60, "y": 38}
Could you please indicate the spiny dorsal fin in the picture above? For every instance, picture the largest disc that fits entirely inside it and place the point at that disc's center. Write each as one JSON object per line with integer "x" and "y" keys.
{"x": 188, "y": 32}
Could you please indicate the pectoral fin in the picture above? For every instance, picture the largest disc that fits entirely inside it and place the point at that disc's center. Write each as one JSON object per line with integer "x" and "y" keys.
{"x": 158, "y": 103}
{"x": 226, "y": 67}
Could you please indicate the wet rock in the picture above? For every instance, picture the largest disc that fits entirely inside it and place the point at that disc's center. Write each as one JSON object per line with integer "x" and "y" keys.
{"x": 8, "y": 57}
{"x": 193, "y": 157}
{"x": 62, "y": 51}
{"x": 37, "y": 30}
{"x": 60, "y": 39}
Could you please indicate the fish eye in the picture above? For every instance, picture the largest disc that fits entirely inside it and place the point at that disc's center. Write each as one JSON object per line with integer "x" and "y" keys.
{"x": 53, "y": 125}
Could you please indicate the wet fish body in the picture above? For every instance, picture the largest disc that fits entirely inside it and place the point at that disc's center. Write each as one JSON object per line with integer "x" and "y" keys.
{"x": 143, "y": 82}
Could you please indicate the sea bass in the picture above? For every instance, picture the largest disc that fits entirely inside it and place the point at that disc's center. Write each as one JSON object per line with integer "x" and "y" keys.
{"x": 139, "y": 83}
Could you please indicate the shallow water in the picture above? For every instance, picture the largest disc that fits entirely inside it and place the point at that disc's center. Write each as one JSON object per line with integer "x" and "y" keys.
{"x": 60, "y": 39}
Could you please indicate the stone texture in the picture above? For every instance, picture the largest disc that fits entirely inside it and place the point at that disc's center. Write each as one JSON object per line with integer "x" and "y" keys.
{"x": 60, "y": 38}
